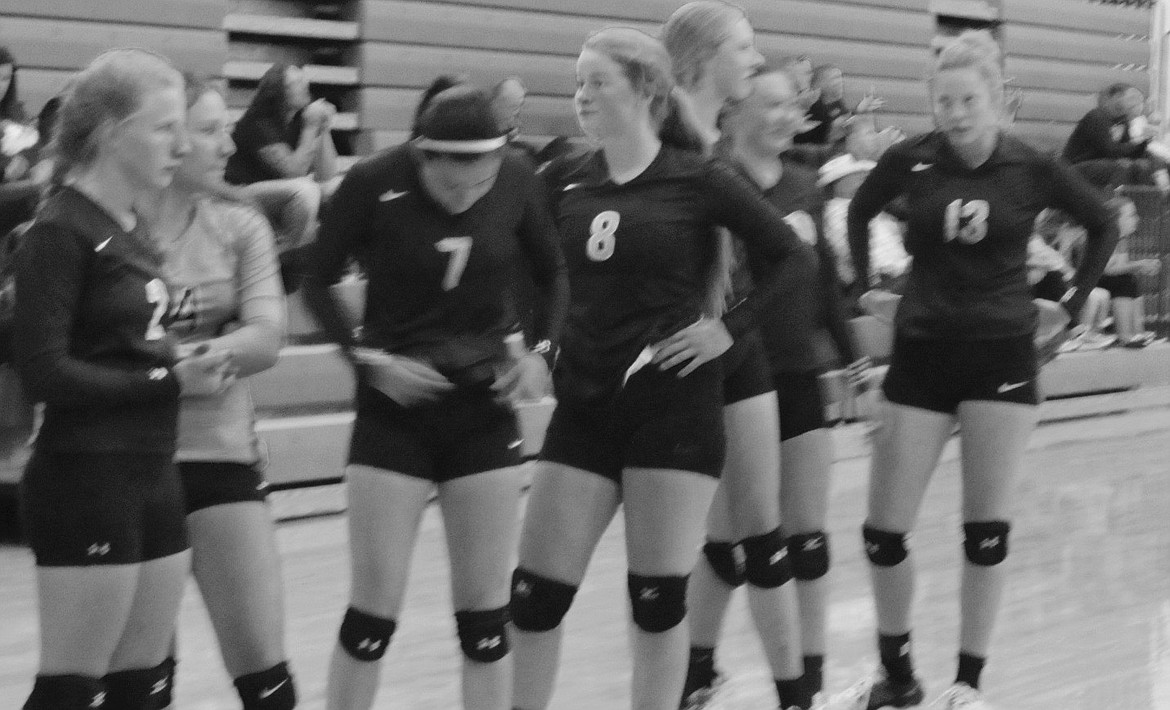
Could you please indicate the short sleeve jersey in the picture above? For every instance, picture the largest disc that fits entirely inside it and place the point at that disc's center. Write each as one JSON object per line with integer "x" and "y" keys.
{"x": 89, "y": 331}
{"x": 639, "y": 256}
{"x": 968, "y": 231}
{"x": 252, "y": 133}
{"x": 224, "y": 256}
{"x": 440, "y": 286}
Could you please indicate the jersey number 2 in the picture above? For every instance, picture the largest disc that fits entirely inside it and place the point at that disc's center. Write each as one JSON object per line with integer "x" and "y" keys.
{"x": 157, "y": 295}
{"x": 967, "y": 221}
{"x": 601, "y": 235}
{"x": 459, "y": 248}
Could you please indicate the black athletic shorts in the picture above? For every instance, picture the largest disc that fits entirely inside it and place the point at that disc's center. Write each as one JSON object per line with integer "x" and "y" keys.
{"x": 461, "y": 434}
{"x": 102, "y": 508}
{"x": 939, "y": 374}
{"x": 211, "y": 483}
{"x": 1120, "y": 285}
{"x": 658, "y": 420}
{"x": 802, "y": 405}
{"x": 746, "y": 372}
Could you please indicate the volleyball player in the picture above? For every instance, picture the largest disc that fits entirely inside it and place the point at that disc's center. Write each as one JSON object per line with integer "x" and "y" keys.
{"x": 438, "y": 225}
{"x": 638, "y": 219}
{"x": 220, "y": 265}
{"x": 758, "y": 130}
{"x": 101, "y": 497}
{"x": 963, "y": 350}
{"x": 713, "y": 51}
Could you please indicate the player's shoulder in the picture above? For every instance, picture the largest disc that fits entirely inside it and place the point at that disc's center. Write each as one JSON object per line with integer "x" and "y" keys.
{"x": 578, "y": 167}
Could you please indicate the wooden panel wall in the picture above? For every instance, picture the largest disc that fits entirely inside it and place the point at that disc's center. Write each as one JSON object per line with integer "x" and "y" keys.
{"x": 51, "y": 39}
{"x": 1060, "y": 52}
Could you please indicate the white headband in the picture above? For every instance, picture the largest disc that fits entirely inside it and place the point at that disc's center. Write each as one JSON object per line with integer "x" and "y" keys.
{"x": 482, "y": 145}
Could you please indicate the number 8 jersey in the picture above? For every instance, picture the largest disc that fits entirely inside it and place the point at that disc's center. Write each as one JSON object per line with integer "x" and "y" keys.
{"x": 640, "y": 253}
{"x": 89, "y": 334}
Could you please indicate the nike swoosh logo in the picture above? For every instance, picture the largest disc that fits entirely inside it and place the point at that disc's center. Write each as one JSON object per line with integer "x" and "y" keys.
{"x": 101, "y": 246}
{"x": 1009, "y": 386}
{"x": 390, "y": 195}
{"x": 921, "y": 166}
{"x": 266, "y": 692}
{"x": 516, "y": 444}
{"x": 571, "y": 186}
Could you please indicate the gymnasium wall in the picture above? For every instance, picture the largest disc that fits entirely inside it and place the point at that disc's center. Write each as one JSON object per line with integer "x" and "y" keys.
{"x": 1059, "y": 51}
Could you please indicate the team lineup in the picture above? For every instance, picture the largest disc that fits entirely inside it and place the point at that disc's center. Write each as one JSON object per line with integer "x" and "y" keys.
{"x": 669, "y": 283}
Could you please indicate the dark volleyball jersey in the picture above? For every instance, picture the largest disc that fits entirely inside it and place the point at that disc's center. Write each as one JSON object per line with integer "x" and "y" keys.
{"x": 441, "y": 286}
{"x": 89, "y": 333}
{"x": 968, "y": 232}
{"x": 794, "y": 328}
{"x": 639, "y": 257}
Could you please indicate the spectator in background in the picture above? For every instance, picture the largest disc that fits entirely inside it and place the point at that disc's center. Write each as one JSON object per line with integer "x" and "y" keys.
{"x": 284, "y": 153}
{"x": 829, "y": 111}
{"x": 19, "y": 192}
{"x": 841, "y": 177}
{"x": 1121, "y": 281}
{"x": 1102, "y": 145}
{"x": 507, "y": 101}
{"x": 1050, "y": 276}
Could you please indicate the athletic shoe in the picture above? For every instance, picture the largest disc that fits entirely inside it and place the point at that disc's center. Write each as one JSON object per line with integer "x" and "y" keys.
{"x": 703, "y": 696}
{"x": 960, "y": 696}
{"x": 1141, "y": 340}
{"x": 885, "y": 693}
{"x": 1096, "y": 341}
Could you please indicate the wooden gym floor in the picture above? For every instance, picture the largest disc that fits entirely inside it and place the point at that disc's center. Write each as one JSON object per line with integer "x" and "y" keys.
{"x": 1085, "y": 623}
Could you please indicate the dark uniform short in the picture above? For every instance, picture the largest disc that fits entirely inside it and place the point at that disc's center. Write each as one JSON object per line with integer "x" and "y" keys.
{"x": 102, "y": 508}
{"x": 1120, "y": 285}
{"x": 802, "y": 405}
{"x": 462, "y": 434}
{"x": 658, "y": 420}
{"x": 212, "y": 483}
{"x": 746, "y": 369}
{"x": 940, "y": 374}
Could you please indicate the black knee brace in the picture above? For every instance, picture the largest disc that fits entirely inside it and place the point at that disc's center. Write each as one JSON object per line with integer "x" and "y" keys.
{"x": 137, "y": 689}
{"x": 658, "y": 603}
{"x": 165, "y": 672}
{"x": 766, "y": 563}
{"x": 809, "y": 553}
{"x": 884, "y": 549}
{"x": 539, "y": 603}
{"x": 720, "y": 558}
{"x": 365, "y": 636}
{"x": 986, "y": 543}
{"x": 66, "y": 692}
{"x": 483, "y": 635}
{"x": 270, "y": 689}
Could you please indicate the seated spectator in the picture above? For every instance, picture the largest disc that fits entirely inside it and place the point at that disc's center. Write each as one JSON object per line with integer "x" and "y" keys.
{"x": 285, "y": 153}
{"x": 829, "y": 111}
{"x": 841, "y": 176}
{"x": 19, "y": 192}
{"x": 1121, "y": 281}
{"x": 1049, "y": 275}
{"x": 1102, "y": 145}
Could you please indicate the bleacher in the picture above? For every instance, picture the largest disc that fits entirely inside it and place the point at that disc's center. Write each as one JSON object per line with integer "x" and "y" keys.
{"x": 372, "y": 57}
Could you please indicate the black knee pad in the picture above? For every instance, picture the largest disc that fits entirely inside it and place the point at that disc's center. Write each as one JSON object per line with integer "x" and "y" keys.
{"x": 365, "y": 636}
{"x": 66, "y": 692}
{"x": 986, "y": 543}
{"x": 483, "y": 635}
{"x": 884, "y": 549}
{"x": 809, "y": 553}
{"x": 720, "y": 558}
{"x": 658, "y": 603}
{"x": 271, "y": 689}
{"x": 766, "y": 563}
{"x": 165, "y": 672}
{"x": 137, "y": 689}
{"x": 539, "y": 603}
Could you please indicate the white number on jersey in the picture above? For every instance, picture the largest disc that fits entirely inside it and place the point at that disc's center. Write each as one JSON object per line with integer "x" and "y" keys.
{"x": 156, "y": 294}
{"x": 459, "y": 248}
{"x": 803, "y": 225}
{"x": 601, "y": 235}
{"x": 967, "y": 221}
